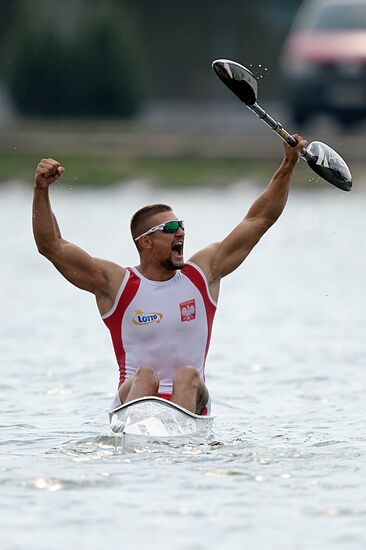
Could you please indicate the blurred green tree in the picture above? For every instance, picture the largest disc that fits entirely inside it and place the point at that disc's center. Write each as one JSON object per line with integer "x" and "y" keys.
{"x": 80, "y": 60}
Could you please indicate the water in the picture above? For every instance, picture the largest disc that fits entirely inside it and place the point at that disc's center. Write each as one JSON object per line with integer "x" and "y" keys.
{"x": 286, "y": 466}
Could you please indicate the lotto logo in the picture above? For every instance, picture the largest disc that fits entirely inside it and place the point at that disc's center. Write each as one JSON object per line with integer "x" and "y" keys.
{"x": 142, "y": 318}
{"x": 188, "y": 310}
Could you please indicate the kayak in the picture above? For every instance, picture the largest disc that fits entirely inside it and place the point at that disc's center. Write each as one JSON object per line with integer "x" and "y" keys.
{"x": 153, "y": 419}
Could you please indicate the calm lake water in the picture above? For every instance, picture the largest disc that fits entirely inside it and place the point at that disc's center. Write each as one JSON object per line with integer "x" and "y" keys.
{"x": 286, "y": 468}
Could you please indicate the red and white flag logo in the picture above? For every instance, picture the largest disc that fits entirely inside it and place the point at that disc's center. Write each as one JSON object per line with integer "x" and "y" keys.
{"x": 188, "y": 310}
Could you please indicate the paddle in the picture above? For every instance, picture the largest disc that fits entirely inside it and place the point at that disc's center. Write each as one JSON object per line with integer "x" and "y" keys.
{"x": 320, "y": 157}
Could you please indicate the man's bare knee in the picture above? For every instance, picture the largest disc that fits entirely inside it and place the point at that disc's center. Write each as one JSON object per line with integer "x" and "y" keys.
{"x": 144, "y": 382}
{"x": 187, "y": 375}
{"x": 146, "y": 375}
{"x": 189, "y": 390}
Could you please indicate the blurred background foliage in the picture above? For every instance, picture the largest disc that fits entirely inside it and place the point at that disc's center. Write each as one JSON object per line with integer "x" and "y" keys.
{"x": 104, "y": 58}
{"x": 73, "y": 58}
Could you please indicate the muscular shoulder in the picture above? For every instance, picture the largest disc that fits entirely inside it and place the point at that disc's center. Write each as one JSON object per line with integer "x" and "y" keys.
{"x": 204, "y": 259}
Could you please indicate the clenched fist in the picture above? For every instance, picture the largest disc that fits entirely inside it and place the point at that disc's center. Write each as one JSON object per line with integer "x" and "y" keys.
{"x": 48, "y": 171}
{"x": 292, "y": 153}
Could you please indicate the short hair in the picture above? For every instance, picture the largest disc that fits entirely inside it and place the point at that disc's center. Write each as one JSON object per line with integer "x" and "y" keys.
{"x": 140, "y": 219}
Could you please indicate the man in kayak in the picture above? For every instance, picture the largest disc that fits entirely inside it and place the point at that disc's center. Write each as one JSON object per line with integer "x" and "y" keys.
{"x": 160, "y": 313}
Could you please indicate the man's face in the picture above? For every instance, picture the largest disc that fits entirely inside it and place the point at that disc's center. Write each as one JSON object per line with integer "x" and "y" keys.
{"x": 167, "y": 247}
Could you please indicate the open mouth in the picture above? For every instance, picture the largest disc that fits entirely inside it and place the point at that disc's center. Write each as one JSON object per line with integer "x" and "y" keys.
{"x": 177, "y": 249}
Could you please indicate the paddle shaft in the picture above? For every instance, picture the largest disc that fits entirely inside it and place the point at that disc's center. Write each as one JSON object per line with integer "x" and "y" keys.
{"x": 277, "y": 127}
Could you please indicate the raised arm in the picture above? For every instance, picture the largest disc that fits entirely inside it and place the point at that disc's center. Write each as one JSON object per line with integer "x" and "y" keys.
{"x": 94, "y": 275}
{"x": 220, "y": 259}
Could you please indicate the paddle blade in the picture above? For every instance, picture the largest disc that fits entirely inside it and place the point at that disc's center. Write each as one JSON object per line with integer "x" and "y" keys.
{"x": 329, "y": 165}
{"x": 238, "y": 79}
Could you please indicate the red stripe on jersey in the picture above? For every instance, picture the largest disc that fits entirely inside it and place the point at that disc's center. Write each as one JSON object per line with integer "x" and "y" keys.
{"x": 196, "y": 278}
{"x": 114, "y": 322}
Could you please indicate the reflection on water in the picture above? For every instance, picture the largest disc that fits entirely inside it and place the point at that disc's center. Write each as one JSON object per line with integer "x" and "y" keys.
{"x": 285, "y": 467}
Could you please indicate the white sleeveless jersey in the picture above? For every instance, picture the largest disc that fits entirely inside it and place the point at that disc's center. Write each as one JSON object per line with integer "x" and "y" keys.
{"x": 162, "y": 324}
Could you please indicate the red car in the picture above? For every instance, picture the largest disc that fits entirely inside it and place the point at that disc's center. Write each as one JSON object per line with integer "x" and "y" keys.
{"x": 324, "y": 61}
